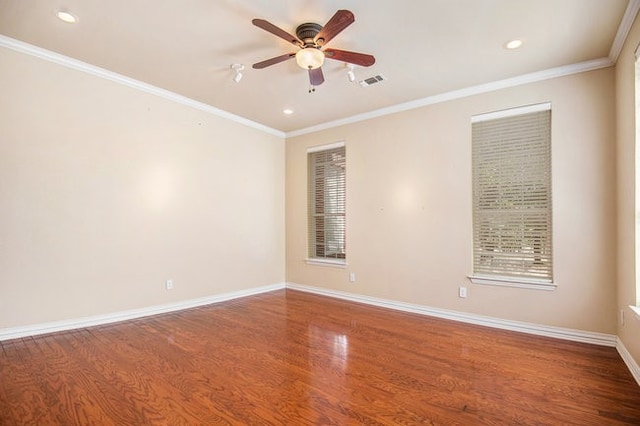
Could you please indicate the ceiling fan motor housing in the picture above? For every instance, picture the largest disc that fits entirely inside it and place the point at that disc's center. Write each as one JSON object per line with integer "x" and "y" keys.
{"x": 307, "y": 32}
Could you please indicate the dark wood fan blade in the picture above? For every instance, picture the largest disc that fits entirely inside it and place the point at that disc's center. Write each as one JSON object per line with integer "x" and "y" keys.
{"x": 361, "y": 59}
{"x": 269, "y": 27}
{"x": 273, "y": 61}
{"x": 338, "y": 22}
{"x": 316, "y": 77}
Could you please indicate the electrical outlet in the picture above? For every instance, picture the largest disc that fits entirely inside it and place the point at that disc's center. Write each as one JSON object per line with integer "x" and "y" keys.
{"x": 462, "y": 292}
{"x": 352, "y": 277}
{"x": 169, "y": 284}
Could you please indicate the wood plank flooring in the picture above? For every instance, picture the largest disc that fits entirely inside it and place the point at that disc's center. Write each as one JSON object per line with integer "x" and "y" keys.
{"x": 292, "y": 358}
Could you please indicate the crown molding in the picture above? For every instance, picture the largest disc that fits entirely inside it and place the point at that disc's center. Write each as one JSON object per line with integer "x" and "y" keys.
{"x": 623, "y": 29}
{"x": 625, "y": 26}
{"x": 75, "y": 64}
{"x": 633, "y": 7}
{"x": 462, "y": 93}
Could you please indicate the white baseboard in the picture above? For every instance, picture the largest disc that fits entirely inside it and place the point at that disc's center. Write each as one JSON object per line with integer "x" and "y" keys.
{"x": 523, "y": 327}
{"x": 541, "y": 330}
{"x": 51, "y": 327}
{"x": 628, "y": 359}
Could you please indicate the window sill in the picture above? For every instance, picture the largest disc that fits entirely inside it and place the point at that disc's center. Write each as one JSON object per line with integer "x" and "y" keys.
{"x": 513, "y": 282}
{"x": 636, "y": 311}
{"x": 327, "y": 262}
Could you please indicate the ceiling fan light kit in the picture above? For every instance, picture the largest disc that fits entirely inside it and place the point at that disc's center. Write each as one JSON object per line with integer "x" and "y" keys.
{"x": 309, "y": 58}
{"x": 311, "y": 38}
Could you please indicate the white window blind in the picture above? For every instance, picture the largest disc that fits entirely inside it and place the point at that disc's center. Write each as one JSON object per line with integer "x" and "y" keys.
{"x": 326, "y": 198}
{"x": 512, "y": 197}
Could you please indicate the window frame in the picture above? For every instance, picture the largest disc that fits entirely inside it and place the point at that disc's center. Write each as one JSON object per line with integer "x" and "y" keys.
{"x": 636, "y": 70}
{"x": 312, "y": 213}
{"x": 480, "y": 277}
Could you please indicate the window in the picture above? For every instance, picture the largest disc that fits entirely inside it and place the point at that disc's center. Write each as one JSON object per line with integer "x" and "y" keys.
{"x": 326, "y": 198}
{"x": 512, "y": 240}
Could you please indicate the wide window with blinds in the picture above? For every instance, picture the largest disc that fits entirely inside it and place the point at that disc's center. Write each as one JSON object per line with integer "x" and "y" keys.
{"x": 512, "y": 232}
{"x": 326, "y": 198}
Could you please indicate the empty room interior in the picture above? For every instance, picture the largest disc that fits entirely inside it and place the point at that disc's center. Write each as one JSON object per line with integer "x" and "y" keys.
{"x": 319, "y": 212}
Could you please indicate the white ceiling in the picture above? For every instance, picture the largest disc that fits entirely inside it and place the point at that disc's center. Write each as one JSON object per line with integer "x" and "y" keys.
{"x": 423, "y": 47}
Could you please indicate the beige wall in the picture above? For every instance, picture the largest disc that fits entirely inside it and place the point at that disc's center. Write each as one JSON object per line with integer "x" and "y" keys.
{"x": 625, "y": 117}
{"x": 409, "y": 206}
{"x": 106, "y": 192}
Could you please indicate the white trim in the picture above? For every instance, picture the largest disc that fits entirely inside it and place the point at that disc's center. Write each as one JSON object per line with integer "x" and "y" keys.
{"x": 541, "y": 330}
{"x": 623, "y": 29}
{"x": 52, "y": 327}
{"x": 522, "y": 327}
{"x": 318, "y": 148}
{"x": 327, "y": 262}
{"x": 75, "y": 64}
{"x": 628, "y": 360}
{"x": 462, "y": 93}
{"x": 636, "y": 310}
{"x": 430, "y": 100}
{"x": 513, "y": 282}
{"x": 511, "y": 112}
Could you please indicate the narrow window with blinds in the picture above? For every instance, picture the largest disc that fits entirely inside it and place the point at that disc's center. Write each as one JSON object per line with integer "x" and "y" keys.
{"x": 511, "y": 155}
{"x": 326, "y": 198}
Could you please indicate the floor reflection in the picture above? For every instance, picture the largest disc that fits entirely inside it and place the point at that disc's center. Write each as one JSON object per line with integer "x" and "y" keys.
{"x": 328, "y": 345}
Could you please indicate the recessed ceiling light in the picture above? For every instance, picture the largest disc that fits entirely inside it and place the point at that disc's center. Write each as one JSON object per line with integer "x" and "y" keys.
{"x": 67, "y": 17}
{"x": 513, "y": 44}
{"x": 287, "y": 111}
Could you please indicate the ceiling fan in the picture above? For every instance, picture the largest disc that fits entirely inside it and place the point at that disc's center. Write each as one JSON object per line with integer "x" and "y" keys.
{"x": 311, "y": 39}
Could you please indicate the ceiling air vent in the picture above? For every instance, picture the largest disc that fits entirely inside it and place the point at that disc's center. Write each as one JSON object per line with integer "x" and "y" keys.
{"x": 372, "y": 80}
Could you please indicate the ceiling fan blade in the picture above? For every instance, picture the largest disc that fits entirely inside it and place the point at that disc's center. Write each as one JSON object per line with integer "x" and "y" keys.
{"x": 338, "y": 22}
{"x": 361, "y": 59}
{"x": 273, "y": 61}
{"x": 269, "y": 27}
{"x": 316, "y": 77}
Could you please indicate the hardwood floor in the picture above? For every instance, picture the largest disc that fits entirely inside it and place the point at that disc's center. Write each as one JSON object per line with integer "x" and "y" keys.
{"x": 293, "y": 358}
